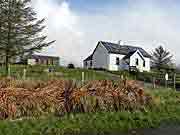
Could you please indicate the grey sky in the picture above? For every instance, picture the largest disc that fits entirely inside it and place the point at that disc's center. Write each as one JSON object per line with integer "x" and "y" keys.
{"x": 139, "y": 22}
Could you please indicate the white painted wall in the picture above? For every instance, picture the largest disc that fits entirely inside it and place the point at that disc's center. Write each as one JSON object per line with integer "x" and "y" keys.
{"x": 31, "y": 62}
{"x": 112, "y": 62}
{"x": 148, "y": 65}
{"x": 140, "y": 65}
{"x": 101, "y": 57}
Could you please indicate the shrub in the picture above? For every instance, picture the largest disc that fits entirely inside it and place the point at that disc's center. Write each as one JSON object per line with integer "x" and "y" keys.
{"x": 71, "y": 66}
{"x": 100, "y": 69}
{"x": 145, "y": 76}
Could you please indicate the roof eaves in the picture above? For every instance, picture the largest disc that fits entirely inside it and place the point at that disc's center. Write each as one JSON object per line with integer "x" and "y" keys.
{"x": 89, "y": 58}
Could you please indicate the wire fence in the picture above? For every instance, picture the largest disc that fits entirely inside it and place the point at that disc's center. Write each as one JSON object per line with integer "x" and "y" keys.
{"x": 48, "y": 72}
{"x": 167, "y": 80}
{"x": 39, "y": 72}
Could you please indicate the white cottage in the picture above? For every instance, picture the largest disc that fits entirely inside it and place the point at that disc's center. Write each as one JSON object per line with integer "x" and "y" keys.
{"x": 114, "y": 57}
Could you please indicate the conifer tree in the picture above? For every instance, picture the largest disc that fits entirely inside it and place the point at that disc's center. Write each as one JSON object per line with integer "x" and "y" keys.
{"x": 161, "y": 58}
{"x": 21, "y": 32}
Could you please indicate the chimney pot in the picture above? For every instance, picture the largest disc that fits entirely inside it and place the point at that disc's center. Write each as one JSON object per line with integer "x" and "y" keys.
{"x": 120, "y": 42}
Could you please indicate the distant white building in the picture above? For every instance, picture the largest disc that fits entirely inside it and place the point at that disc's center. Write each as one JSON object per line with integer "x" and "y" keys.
{"x": 42, "y": 60}
{"x": 114, "y": 57}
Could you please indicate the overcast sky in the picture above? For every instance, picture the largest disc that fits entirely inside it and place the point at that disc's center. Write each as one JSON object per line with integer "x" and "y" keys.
{"x": 77, "y": 25}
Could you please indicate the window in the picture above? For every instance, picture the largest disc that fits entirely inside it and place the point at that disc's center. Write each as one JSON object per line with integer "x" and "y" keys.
{"x": 86, "y": 63}
{"x": 137, "y": 62}
{"x": 91, "y": 63}
{"x": 37, "y": 60}
{"x": 41, "y": 61}
{"x": 117, "y": 61}
{"x": 144, "y": 63}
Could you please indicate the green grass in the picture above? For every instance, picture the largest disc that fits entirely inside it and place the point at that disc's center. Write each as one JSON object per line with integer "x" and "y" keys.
{"x": 38, "y": 73}
{"x": 79, "y": 123}
{"x": 89, "y": 74}
{"x": 123, "y": 73}
{"x": 166, "y": 108}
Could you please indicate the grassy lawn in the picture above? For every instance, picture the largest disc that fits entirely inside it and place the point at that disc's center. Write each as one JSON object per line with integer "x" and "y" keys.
{"x": 166, "y": 108}
{"x": 39, "y": 73}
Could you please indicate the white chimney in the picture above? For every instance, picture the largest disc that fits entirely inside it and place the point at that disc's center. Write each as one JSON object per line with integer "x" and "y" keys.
{"x": 120, "y": 42}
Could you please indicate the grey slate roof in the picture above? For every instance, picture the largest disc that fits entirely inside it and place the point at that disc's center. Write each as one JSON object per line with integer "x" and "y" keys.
{"x": 43, "y": 57}
{"x": 123, "y": 49}
{"x": 129, "y": 55}
{"x": 89, "y": 58}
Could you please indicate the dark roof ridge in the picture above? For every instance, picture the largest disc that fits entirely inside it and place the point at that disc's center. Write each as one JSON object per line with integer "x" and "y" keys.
{"x": 43, "y": 56}
{"x": 127, "y": 45}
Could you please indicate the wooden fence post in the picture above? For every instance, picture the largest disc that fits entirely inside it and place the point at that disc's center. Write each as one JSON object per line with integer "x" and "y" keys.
{"x": 82, "y": 78}
{"x": 9, "y": 70}
{"x": 166, "y": 80}
{"x": 122, "y": 77}
{"x": 24, "y": 74}
{"x": 154, "y": 82}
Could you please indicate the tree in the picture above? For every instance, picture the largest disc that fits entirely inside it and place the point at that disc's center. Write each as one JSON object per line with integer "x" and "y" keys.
{"x": 21, "y": 32}
{"x": 161, "y": 58}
